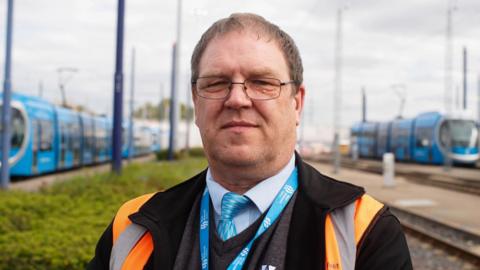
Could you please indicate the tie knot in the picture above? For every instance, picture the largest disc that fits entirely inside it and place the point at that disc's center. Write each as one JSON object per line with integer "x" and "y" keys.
{"x": 232, "y": 203}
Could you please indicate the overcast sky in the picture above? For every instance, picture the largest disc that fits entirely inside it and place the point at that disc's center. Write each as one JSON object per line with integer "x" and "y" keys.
{"x": 385, "y": 43}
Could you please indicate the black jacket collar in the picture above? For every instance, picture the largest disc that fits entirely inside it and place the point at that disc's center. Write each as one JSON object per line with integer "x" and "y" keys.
{"x": 166, "y": 214}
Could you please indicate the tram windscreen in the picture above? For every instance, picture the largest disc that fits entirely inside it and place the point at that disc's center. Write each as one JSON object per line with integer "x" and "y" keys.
{"x": 463, "y": 133}
{"x": 18, "y": 129}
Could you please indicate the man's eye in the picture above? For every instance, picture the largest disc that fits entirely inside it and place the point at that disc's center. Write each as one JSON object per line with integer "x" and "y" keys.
{"x": 217, "y": 83}
{"x": 260, "y": 82}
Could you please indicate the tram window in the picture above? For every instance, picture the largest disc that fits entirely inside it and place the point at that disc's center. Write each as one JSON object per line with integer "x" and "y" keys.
{"x": 396, "y": 135}
{"x": 75, "y": 135}
{"x": 35, "y": 134}
{"x": 46, "y": 135}
{"x": 463, "y": 133}
{"x": 98, "y": 140}
{"x": 70, "y": 136}
{"x": 88, "y": 133}
{"x": 88, "y": 137}
{"x": 17, "y": 129}
{"x": 422, "y": 137}
{"x": 382, "y": 137}
{"x": 63, "y": 136}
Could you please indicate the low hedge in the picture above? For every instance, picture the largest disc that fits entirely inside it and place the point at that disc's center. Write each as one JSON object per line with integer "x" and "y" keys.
{"x": 58, "y": 227}
{"x": 182, "y": 154}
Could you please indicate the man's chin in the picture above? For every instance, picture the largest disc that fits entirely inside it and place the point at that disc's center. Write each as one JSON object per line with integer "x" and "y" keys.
{"x": 237, "y": 156}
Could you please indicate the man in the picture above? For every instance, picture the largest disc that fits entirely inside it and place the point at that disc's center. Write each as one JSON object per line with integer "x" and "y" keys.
{"x": 258, "y": 205}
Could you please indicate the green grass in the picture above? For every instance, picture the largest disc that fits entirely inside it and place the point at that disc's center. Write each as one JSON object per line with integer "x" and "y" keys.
{"x": 58, "y": 227}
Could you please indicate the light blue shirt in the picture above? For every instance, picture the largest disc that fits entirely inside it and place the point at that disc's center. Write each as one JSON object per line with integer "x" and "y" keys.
{"x": 262, "y": 196}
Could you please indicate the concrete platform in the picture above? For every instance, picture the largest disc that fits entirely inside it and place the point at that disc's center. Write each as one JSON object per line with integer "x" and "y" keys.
{"x": 453, "y": 208}
{"x": 460, "y": 173}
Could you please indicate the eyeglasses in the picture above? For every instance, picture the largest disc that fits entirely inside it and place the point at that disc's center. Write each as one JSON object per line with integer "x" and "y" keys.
{"x": 255, "y": 88}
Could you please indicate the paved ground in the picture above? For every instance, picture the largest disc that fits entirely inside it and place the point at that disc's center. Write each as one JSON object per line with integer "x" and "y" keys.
{"x": 456, "y": 209}
{"x": 36, "y": 183}
{"x": 471, "y": 174}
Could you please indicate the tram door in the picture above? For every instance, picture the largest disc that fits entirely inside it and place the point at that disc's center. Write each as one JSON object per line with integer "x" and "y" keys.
{"x": 36, "y": 129}
{"x": 76, "y": 143}
{"x": 63, "y": 146}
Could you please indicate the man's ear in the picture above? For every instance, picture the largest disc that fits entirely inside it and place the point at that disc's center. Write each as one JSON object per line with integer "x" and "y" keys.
{"x": 299, "y": 102}
{"x": 194, "y": 99}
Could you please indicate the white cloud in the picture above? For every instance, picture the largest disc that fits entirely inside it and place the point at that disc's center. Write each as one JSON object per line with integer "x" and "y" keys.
{"x": 385, "y": 43}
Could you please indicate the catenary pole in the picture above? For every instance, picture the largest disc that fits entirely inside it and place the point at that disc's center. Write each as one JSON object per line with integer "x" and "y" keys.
{"x": 161, "y": 105}
{"x": 448, "y": 91}
{"x": 364, "y": 105}
{"x": 465, "y": 70}
{"x": 188, "y": 119}
{"x": 448, "y": 77}
{"x": 478, "y": 105}
{"x": 175, "y": 84}
{"x": 132, "y": 104}
{"x": 172, "y": 114}
{"x": 7, "y": 92}
{"x": 118, "y": 93}
{"x": 338, "y": 93}
{"x": 478, "y": 99}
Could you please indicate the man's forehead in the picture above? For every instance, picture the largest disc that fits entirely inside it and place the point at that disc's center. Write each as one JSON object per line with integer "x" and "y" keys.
{"x": 219, "y": 60}
{"x": 252, "y": 71}
{"x": 254, "y": 33}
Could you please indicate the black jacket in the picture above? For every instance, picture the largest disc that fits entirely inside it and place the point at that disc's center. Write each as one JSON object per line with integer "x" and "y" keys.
{"x": 383, "y": 246}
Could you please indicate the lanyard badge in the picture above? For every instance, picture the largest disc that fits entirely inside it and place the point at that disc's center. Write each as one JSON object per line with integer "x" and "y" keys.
{"x": 279, "y": 203}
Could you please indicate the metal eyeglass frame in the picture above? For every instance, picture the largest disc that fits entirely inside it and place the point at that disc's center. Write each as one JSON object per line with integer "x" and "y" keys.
{"x": 229, "y": 88}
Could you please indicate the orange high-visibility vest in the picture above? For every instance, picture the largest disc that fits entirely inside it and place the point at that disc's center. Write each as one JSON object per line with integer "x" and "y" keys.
{"x": 357, "y": 216}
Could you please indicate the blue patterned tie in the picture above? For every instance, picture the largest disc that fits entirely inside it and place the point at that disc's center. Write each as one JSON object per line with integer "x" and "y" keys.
{"x": 232, "y": 203}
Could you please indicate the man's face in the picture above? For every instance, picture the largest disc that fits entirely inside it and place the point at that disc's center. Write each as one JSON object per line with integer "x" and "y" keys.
{"x": 238, "y": 131}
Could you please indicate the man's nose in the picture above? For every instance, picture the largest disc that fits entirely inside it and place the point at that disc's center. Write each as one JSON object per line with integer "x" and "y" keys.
{"x": 238, "y": 98}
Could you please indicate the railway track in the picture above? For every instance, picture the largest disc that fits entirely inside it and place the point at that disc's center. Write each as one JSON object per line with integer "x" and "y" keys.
{"x": 456, "y": 183}
{"x": 455, "y": 242}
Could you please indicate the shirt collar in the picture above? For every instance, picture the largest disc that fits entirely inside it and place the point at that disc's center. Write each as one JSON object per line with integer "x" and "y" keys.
{"x": 262, "y": 194}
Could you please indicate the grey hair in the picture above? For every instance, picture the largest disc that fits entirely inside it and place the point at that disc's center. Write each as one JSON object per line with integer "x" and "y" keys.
{"x": 264, "y": 28}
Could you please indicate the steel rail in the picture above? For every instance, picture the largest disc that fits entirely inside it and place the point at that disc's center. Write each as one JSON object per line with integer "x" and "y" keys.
{"x": 441, "y": 181}
{"x": 458, "y": 248}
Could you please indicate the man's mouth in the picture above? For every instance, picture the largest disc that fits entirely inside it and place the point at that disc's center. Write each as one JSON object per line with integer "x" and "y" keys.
{"x": 238, "y": 125}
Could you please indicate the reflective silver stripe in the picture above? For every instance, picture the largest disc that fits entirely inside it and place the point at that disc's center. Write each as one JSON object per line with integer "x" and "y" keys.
{"x": 344, "y": 226}
{"x": 124, "y": 244}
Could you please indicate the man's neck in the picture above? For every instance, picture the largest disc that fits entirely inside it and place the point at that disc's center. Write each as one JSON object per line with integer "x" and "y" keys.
{"x": 242, "y": 179}
{"x": 238, "y": 187}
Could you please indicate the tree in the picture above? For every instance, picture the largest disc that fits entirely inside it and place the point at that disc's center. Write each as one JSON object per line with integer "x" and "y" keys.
{"x": 160, "y": 111}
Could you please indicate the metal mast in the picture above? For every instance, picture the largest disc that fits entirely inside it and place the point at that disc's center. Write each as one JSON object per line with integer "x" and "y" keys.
{"x": 6, "y": 110}
{"x": 449, "y": 58}
{"x": 188, "y": 120}
{"x": 132, "y": 107}
{"x": 478, "y": 99}
{"x": 337, "y": 104}
{"x": 364, "y": 105}
{"x": 175, "y": 85}
{"x": 465, "y": 70}
{"x": 173, "y": 111}
{"x": 118, "y": 93}
{"x": 448, "y": 77}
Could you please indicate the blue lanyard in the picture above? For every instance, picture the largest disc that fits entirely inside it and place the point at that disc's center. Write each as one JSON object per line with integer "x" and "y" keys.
{"x": 279, "y": 203}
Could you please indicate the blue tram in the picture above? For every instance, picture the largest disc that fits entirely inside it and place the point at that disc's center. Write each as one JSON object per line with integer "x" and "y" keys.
{"x": 401, "y": 141}
{"x": 47, "y": 138}
{"x": 427, "y": 138}
{"x": 368, "y": 141}
{"x": 384, "y": 132}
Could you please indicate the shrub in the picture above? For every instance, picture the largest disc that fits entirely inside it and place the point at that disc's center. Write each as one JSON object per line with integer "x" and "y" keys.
{"x": 197, "y": 152}
{"x": 58, "y": 227}
{"x": 182, "y": 154}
